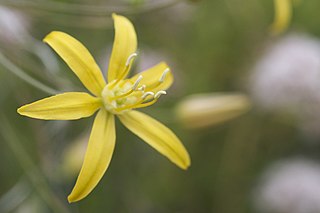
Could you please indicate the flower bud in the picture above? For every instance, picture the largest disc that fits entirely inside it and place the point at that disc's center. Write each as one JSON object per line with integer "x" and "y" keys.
{"x": 203, "y": 110}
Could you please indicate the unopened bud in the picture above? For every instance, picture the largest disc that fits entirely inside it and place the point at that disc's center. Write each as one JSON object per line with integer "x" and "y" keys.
{"x": 203, "y": 110}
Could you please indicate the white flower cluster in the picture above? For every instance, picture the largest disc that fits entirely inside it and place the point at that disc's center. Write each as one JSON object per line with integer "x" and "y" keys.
{"x": 289, "y": 73}
{"x": 13, "y": 25}
{"x": 287, "y": 78}
{"x": 291, "y": 186}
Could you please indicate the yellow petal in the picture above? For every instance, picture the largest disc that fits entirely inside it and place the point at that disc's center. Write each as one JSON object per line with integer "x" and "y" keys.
{"x": 125, "y": 44}
{"x": 78, "y": 59}
{"x": 152, "y": 76}
{"x": 282, "y": 18}
{"x": 158, "y": 136}
{"x": 65, "y": 106}
{"x": 98, "y": 155}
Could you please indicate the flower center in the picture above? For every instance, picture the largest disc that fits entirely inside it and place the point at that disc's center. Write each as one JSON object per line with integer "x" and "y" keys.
{"x": 126, "y": 95}
{"x": 123, "y": 95}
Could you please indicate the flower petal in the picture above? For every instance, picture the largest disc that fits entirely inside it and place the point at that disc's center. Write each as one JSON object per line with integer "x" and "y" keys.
{"x": 78, "y": 59}
{"x": 158, "y": 136}
{"x": 98, "y": 155}
{"x": 125, "y": 44}
{"x": 282, "y": 18}
{"x": 152, "y": 76}
{"x": 65, "y": 106}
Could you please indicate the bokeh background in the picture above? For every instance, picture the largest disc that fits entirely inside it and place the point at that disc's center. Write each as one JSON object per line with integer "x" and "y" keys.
{"x": 266, "y": 160}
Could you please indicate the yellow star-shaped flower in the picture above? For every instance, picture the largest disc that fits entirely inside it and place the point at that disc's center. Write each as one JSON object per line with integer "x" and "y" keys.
{"x": 118, "y": 98}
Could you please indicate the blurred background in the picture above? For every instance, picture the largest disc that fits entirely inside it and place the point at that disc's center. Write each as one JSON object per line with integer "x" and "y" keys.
{"x": 245, "y": 103}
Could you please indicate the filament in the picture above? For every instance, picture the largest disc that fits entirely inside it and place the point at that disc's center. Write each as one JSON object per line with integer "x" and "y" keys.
{"x": 137, "y": 82}
{"x": 132, "y": 56}
{"x": 126, "y": 69}
{"x": 160, "y": 81}
{"x": 141, "y": 103}
{"x": 158, "y": 94}
{"x": 147, "y": 94}
{"x": 164, "y": 74}
{"x": 133, "y": 88}
{"x": 143, "y": 98}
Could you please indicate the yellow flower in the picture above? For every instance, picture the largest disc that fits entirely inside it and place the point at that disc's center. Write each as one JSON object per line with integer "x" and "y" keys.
{"x": 282, "y": 15}
{"x": 117, "y": 97}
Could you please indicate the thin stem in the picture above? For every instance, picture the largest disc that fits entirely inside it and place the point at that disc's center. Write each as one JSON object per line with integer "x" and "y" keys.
{"x": 31, "y": 170}
{"x": 86, "y": 9}
{"x": 10, "y": 66}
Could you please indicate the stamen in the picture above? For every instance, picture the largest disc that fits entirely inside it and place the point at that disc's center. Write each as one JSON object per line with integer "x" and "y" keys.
{"x": 133, "y": 88}
{"x": 136, "y": 83}
{"x": 136, "y": 104}
{"x": 121, "y": 96}
{"x": 164, "y": 74}
{"x": 126, "y": 69}
{"x": 158, "y": 94}
{"x": 132, "y": 56}
{"x": 147, "y": 94}
{"x": 160, "y": 81}
{"x": 156, "y": 97}
{"x": 140, "y": 103}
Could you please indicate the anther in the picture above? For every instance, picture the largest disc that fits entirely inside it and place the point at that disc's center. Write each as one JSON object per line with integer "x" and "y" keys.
{"x": 147, "y": 94}
{"x": 158, "y": 94}
{"x": 132, "y": 56}
{"x": 164, "y": 74}
{"x": 136, "y": 83}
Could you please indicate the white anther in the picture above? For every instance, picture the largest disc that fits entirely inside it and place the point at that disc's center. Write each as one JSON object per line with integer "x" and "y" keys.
{"x": 147, "y": 94}
{"x": 136, "y": 83}
{"x": 132, "y": 56}
{"x": 158, "y": 94}
{"x": 142, "y": 88}
{"x": 164, "y": 74}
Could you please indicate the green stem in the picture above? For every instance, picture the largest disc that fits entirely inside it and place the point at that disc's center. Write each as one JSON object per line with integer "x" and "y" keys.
{"x": 34, "y": 175}
{"x": 10, "y": 66}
